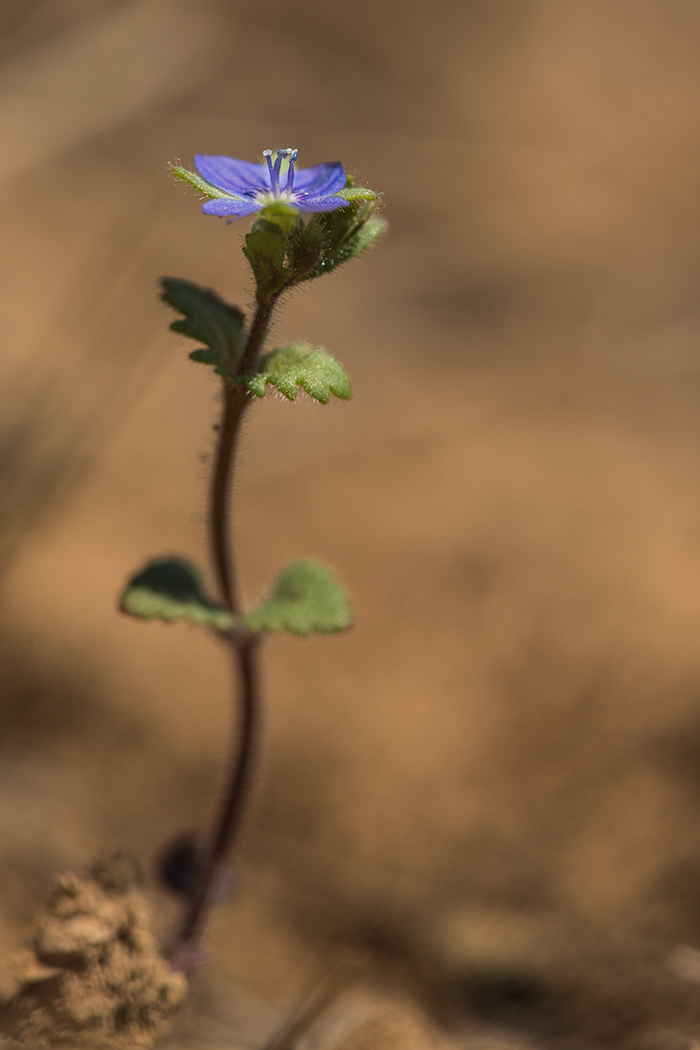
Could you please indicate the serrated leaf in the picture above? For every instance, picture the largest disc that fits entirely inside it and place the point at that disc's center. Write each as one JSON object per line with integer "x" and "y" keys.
{"x": 171, "y": 589}
{"x": 207, "y": 357}
{"x": 210, "y": 320}
{"x": 197, "y": 182}
{"x": 306, "y": 598}
{"x": 301, "y": 365}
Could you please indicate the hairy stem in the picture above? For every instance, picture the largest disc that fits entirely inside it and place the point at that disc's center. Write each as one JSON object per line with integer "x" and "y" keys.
{"x": 236, "y": 399}
{"x": 256, "y": 336}
{"x": 235, "y": 403}
{"x": 233, "y": 802}
{"x": 244, "y": 649}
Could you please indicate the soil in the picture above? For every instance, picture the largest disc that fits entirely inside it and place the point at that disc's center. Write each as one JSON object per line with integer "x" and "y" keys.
{"x": 476, "y": 815}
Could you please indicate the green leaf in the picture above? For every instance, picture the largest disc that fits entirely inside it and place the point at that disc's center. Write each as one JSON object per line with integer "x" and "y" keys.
{"x": 265, "y": 248}
{"x": 208, "y": 357}
{"x": 171, "y": 589}
{"x": 315, "y": 371}
{"x": 210, "y": 320}
{"x": 306, "y": 597}
{"x": 197, "y": 182}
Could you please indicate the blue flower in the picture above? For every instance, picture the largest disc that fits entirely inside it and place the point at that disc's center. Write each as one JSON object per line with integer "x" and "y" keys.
{"x": 246, "y": 187}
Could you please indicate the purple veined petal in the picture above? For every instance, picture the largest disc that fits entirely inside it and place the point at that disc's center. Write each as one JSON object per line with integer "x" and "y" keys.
{"x": 231, "y": 206}
{"x": 234, "y": 176}
{"x": 317, "y": 204}
{"x": 321, "y": 179}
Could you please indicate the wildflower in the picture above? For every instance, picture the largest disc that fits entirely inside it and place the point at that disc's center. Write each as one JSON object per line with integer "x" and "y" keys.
{"x": 245, "y": 187}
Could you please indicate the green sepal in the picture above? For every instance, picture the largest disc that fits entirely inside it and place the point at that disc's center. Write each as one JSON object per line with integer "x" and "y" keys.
{"x": 171, "y": 589}
{"x": 280, "y": 213}
{"x": 306, "y": 597}
{"x": 357, "y": 193}
{"x": 368, "y": 232}
{"x": 210, "y": 320}
{"x": 301, "y": 365}
{"x": 362, "y": 236}
{"x": 197, "y": 182}
{"x": 265, "y": 249}
{"x": 347, "y": 231}
{"x": 304, "y": 247}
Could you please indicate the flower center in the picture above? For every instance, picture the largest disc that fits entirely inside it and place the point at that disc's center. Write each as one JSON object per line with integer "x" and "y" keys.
{"x": 274, "y": 169}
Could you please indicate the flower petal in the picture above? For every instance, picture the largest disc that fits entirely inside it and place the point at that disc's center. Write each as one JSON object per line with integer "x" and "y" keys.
{"x": 235, "y": 176}
{"x": 231, "y": 206}
{"x": 321, "y": 179}
{"x": 319, "y": 203}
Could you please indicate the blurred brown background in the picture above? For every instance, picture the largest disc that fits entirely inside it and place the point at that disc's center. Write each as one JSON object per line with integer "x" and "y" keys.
{"x": 512, "y": 730}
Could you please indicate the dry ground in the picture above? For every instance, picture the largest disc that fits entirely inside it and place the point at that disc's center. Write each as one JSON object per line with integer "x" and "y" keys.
{"x": 488, "y": 795}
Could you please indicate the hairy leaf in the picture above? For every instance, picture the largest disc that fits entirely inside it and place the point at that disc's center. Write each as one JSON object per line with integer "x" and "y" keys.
{"x": 306, "y": 598}
{"x": 208, "y": 319}
{"x": 315, "y": 371}
{"x": 171, "y": 589}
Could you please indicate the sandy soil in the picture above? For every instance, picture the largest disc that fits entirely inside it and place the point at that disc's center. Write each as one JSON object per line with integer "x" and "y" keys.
{"x": 481, "y": 806}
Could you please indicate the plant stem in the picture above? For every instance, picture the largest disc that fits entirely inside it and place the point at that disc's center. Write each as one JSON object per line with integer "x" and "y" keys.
{"x": 236, "y": 399}
{"x": 244, "y": 647}
{"x": 235, "y": 403}
{"x": 231, "y": 812}
{"x": 256, "y": 336}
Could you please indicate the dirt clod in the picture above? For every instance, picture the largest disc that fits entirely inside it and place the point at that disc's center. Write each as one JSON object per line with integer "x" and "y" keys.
{"x": 93, "y": 976}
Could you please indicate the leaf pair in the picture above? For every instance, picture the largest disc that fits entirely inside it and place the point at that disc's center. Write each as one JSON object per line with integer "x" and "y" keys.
{"x": 220, "y": 326}
{"x": 305, "y": 598}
